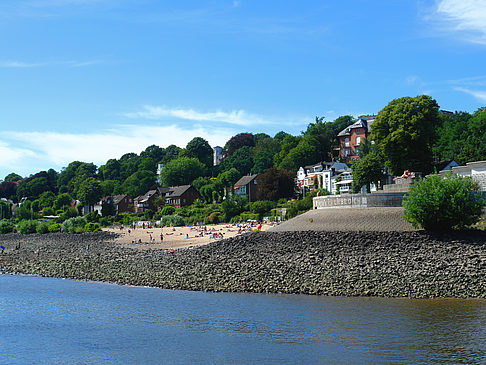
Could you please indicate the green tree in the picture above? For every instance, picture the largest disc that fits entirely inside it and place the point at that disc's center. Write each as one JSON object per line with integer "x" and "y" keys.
{"x": 241, "y": 160}
{"x": 181, "y": 171}
{"x": 111, "y": 170}
{"x": 367, "y": 170}
{"x": 12, "y": 177}
{"x": 90, "y": 191}
{"x": 228, "y": 179}
{"x": 199, "y": 148}
{"x": 436, "y": 203}
{"x": 305, "y": 153}
{"x": 32, "y": 189}
{"x": 473, "y": 146}
{"x": 404, "y": 133}
{"x": 62, "y": 200}
{"x": 138, "y": 183}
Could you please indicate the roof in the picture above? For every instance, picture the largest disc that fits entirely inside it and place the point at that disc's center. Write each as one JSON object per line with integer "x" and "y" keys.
{"x": 119, "y": 198}
{"x": 178, "y": 190}
{"x": 441, "y": 165}
{"x": 364, "y": 122}
{"x": 245, "y": 180}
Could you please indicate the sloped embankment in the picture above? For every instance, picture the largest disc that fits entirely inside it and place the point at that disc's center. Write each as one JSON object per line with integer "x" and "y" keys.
{"x": 390, "y": 264}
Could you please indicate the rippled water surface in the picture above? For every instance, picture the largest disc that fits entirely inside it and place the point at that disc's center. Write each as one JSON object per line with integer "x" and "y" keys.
{"x": 55, "y": 321}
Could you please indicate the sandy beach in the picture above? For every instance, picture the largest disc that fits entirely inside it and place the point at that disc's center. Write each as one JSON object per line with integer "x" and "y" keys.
{"x": 173, "y": 238}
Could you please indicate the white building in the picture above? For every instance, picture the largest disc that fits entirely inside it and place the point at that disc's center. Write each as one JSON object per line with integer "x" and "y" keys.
{"x": 321, "y": 175}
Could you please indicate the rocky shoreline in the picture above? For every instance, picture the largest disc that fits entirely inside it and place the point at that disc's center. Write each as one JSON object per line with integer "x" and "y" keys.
{"x": 386, "y": 264}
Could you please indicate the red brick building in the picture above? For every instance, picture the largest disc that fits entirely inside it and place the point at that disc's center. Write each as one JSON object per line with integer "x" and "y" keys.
{"x": 351, "y": 137}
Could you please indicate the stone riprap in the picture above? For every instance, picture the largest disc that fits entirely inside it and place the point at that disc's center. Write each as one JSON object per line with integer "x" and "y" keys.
{"x": 388, "y": 264}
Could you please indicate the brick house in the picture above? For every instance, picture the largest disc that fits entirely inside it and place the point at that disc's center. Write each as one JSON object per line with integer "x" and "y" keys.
{"x": 180, "y": 196}
{"x": 351, "y": 137}
{"x": 143, "y": 202}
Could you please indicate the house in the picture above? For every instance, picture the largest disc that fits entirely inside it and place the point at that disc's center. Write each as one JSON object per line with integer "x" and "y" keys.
{"x": 180, "y": 196}
{"x": 476, "y": 170}
{"x": 445, "y": 165}
{"x": 351, "y": 137}
{"x": 343, "y": 183}
{"x": 143, "y": 202}
{"x": 320, "y": 176}
{"x": 247, "y": 186}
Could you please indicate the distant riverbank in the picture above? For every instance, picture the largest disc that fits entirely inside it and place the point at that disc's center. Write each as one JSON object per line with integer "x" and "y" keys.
{"x": 385, "y": 264}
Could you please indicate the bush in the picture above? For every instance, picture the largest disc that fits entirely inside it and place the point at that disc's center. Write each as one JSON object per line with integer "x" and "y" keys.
{"x": 6, "y": 227}
{"x": 437, "y": 203}
{"x": 262, "y": 207}
{"x": 74, "y": 225}
{"x": 43, "y": 228}
{"x": 168, "y": 210}
{"x": 54, "y": 227}
{"x": 27, "y": 226}
{"x": 92, "y": 227}
{"x": 215, "y": 217}
{"x": 92, "y": 217}
{"x": 248, "y": 216}
{"x": 174, "y": 220}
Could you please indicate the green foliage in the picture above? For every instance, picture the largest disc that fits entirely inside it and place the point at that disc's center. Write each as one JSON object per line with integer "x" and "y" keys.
{"x": 107, "y": 209}
{"x": 5, "y": 210}
{"x": 54, "y": 227}
{"x": 6, "y": 226}
{"x": 148, "y": 214}
{"x": 168, "y": 210}
{"x": 182, "y": 171}
{"x": 241, "y": 160}
{"x": 234, "y": 206}
{"x": 175, "y": 220}
{"x": 404, "y": 132}
{"x": 74, "y": 225}
{"x": 62, "y": 200}
{"x": 138, "y": 183}
{"x": 27, "y": 226}
{"x": 12, "y": 177}
{"x": 89, "y": 191}
{"x": 261, "y": 207}
{"x": 308, "y": 151}
{"x": 367, "y": 170}
{"x": 32, "y": 189}
{"x": 92, "y": 227}
{"x": 43, "y": 227}
{"x": 199, "y": 148}
{"x": 215, "y": 218}
{"x": 452, "y": 202}
{"x": 300, "y": 206}
{"x": 69, "y": 212}
{"x": 25, "y": 211}
{"x": 244, "y": 217}
{"x": 92, "y": 217}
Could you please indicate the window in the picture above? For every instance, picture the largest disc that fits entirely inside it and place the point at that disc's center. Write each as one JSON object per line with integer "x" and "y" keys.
{"x": 358, "y": 140}
{"x": 346, "y": 142}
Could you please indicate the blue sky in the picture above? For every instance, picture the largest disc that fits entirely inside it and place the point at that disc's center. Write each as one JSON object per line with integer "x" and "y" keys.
{"x": 91, "y": 80}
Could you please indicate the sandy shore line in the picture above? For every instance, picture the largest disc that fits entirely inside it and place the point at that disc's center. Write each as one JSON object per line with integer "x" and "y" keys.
{"x": 173, "y": 238}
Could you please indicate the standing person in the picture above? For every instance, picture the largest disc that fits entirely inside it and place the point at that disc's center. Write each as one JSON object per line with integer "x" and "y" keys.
{"x": 161, "y": 237}
{"x": 87, "y": 249}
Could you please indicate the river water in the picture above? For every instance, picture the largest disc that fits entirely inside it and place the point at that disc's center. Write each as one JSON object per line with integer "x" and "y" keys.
{"x": 56, "y": 321}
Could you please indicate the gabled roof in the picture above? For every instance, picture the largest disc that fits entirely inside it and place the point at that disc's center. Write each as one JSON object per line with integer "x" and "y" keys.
{"x": 441, "y": 165}
{"x": 245, "y": 180}
{"x": 119, "y": 198}
{"x": 364, "y": 122}
{"x": 176, "y": 191}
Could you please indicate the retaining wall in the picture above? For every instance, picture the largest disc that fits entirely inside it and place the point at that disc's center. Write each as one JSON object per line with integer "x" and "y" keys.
{"x": 359, "y": 200}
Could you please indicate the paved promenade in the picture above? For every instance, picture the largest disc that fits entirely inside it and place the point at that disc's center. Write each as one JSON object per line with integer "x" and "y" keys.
{"x": 348, "y": 219}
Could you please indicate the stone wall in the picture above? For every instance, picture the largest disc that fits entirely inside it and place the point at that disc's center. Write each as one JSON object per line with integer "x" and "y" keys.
{"x": 359, "y": 200}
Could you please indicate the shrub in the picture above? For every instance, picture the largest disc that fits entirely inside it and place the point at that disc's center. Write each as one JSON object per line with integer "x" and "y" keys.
{"x": 92, "y": 217}
{"x": 48, "y": 211}
{"x": 92, "y": 227}
{"x": 175, "y": 220}
{"x": 452, "y": 202}
{"x": 74, "y": 225}
{"x": 43, "y": 228}
{"x": 248, "y": 216}
{"x": 6, "y": 227}
{"x": 54, "y": 227}
{"x": 215, "y": 217}
{"x": 168, "y": 210}
{"x": 27, "y": 226}
{"x": 262, "y": 207}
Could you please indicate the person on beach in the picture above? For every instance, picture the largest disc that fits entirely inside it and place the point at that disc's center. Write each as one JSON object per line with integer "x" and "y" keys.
{"x": 87, "y": 249}
{"x": 161, "y": 237}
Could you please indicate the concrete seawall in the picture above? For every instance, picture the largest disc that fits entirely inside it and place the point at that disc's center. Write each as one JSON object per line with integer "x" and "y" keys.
{"x": 359, "y": 200}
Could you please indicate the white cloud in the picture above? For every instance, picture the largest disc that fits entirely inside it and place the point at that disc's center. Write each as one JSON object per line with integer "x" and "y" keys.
{"x": 237, "y": 117}
{"x": 54, "y": 149}
{"x": 465, "y": 16}
{"x": 478, "y": 94}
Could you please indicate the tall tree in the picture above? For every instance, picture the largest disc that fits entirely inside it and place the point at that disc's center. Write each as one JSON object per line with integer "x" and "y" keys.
{"x": 369, "y": 169}
{"x": 90, "y": 191}
{"x": 238, "y": 141}
{"x": 199, "y": 148}
{"x": 181, "y": 171}
{"x": 405, "y": 131}
{"x": 275, "y": 184}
